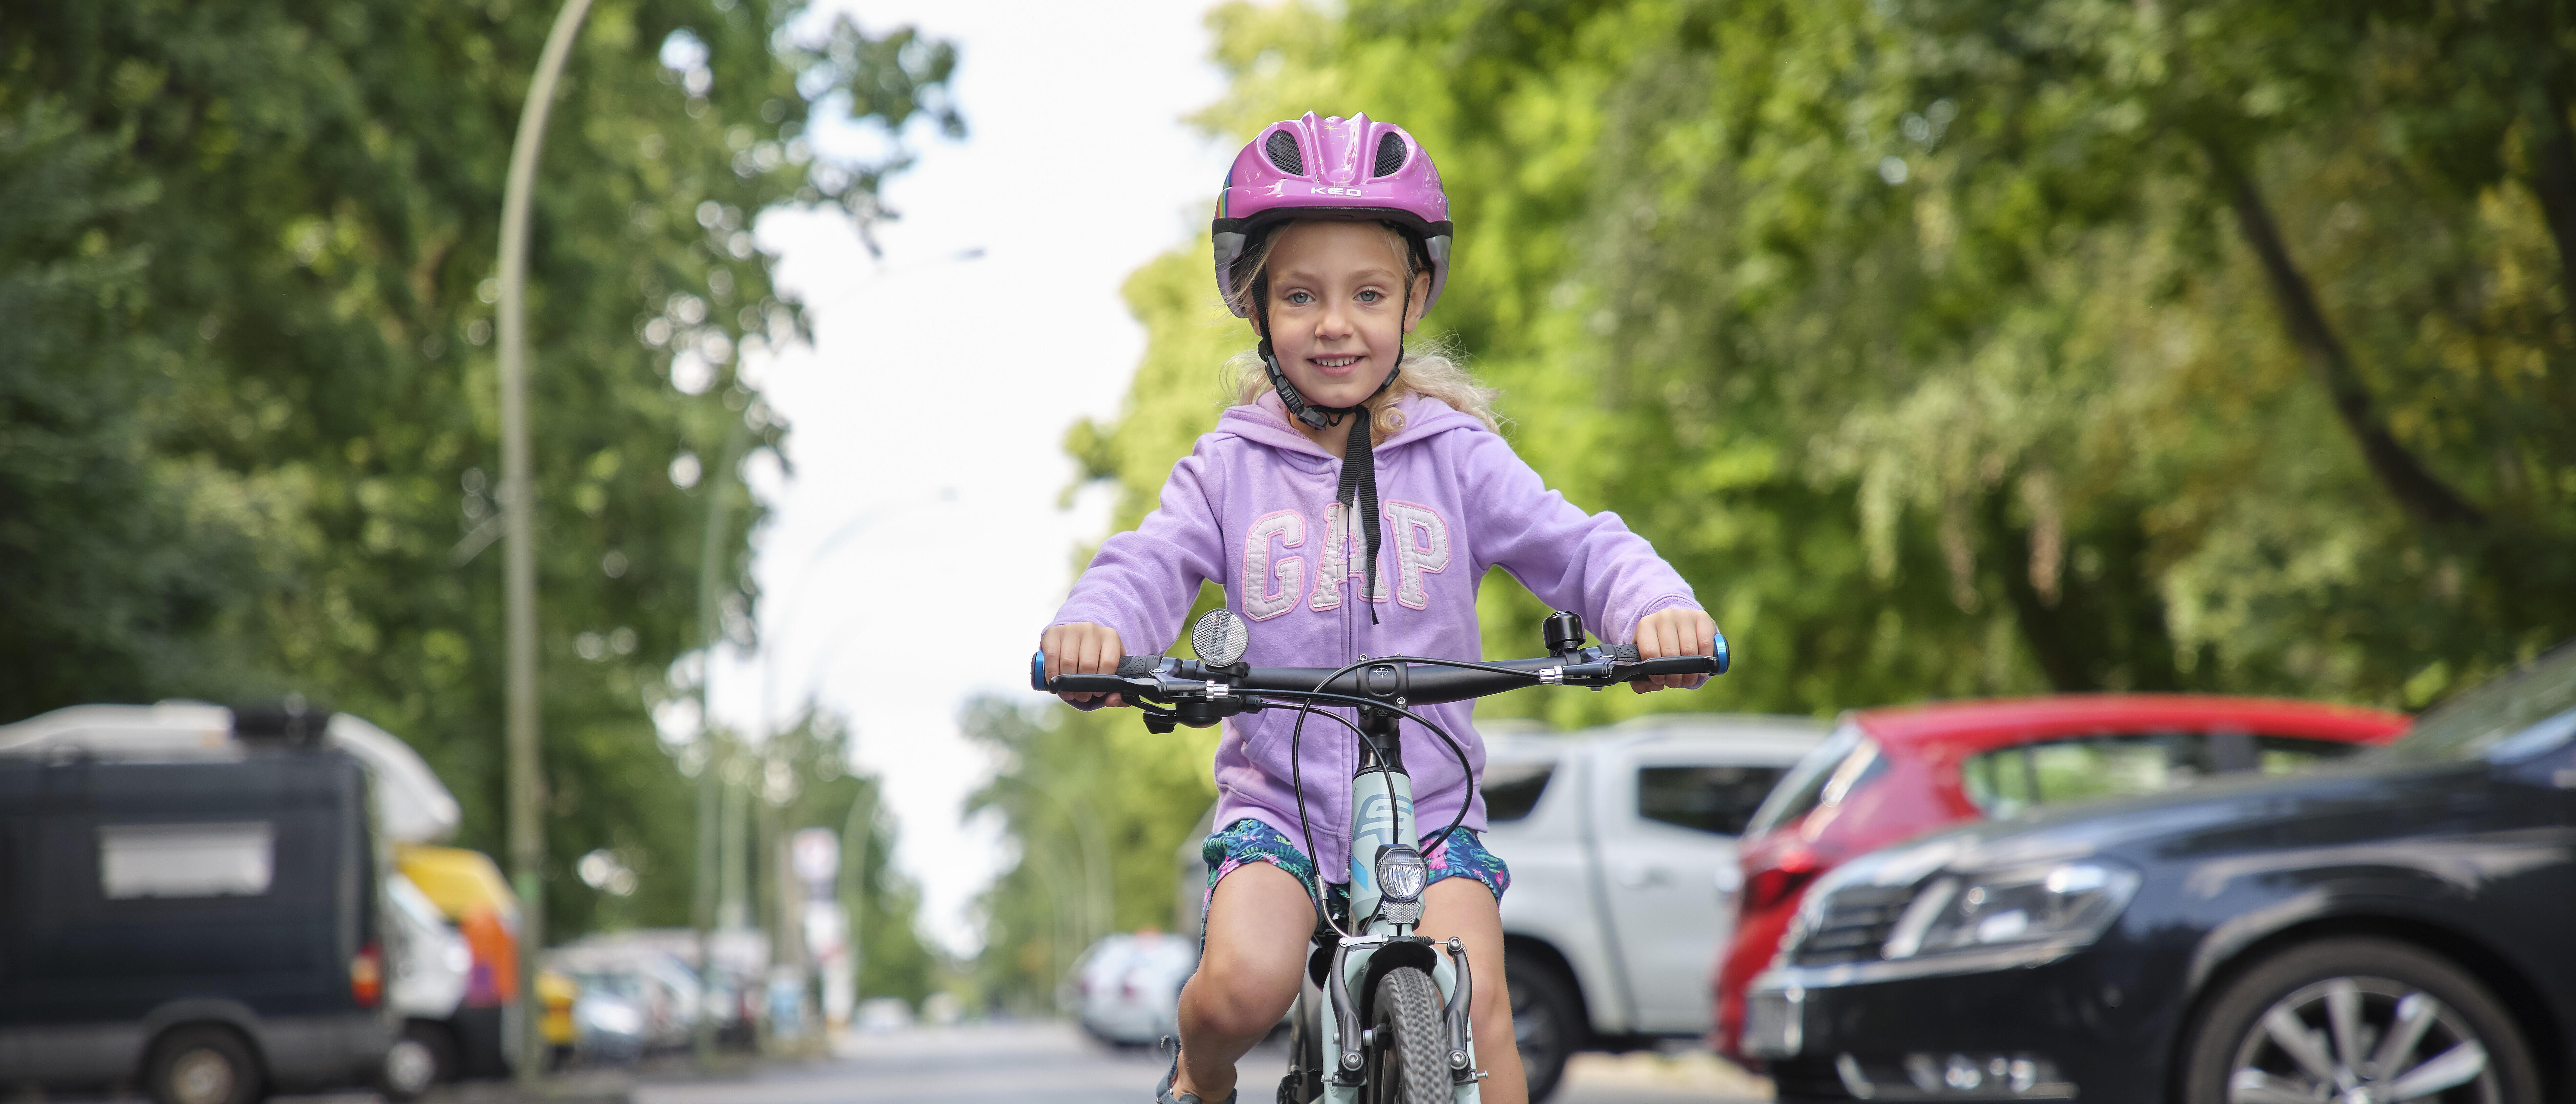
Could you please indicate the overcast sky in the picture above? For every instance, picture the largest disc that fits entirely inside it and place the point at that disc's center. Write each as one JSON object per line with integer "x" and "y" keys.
{"x": 919, "y": 547}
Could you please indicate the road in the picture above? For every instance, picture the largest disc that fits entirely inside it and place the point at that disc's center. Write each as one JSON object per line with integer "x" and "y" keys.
{"x": 1052, "y": 1062}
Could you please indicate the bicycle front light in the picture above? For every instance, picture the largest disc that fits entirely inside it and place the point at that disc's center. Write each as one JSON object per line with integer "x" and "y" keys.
{"x": 1401, "y": 874}
{"x": 2066, "y": 905}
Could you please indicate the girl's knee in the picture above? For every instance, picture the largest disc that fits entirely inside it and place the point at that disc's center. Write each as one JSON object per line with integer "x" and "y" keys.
{"x": 1232, "y": 1005}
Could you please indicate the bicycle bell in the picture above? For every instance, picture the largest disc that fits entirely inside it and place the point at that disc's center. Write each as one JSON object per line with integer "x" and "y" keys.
{"x": 1220, "y": 638}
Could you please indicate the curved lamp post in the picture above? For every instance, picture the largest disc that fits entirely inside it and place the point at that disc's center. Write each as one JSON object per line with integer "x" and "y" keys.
{"x": 519, "y": 572}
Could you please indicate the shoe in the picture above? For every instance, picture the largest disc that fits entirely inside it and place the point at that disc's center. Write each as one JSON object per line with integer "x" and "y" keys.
{"x": 1163, "y": 1093}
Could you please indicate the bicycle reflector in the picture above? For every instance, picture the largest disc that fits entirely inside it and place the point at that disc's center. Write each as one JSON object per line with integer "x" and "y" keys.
{"x": 1219, "y": 637}
{"x": 1401, "y": 874}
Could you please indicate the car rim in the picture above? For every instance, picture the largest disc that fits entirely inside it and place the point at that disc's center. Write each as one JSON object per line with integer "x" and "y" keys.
{"x": 201, "y": 1077}
{"x": 409, "y": 1065}
{"x": 2359, "y": 1040}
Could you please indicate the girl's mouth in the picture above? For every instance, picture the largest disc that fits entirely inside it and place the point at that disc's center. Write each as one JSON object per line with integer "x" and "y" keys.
{"x": 1332, "y": 363}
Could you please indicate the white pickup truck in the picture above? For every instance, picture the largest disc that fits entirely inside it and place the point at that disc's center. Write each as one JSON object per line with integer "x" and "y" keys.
{"x": 1621, "y": 842}
{"x": 1622, "y": 845}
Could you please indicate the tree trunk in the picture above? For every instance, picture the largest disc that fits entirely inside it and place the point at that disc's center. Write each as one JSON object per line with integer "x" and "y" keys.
{"x": 2418, "y": 491}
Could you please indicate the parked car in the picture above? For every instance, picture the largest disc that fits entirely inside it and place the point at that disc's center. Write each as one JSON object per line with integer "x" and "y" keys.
{"x": 429, "y": 968}
{"x": 1126, "y": 989}
{"x": 1890, "y": 775}
{"x": 2386, "y": 930}
{"x": 205, "y": 921}
{"x": 662, "y": 990}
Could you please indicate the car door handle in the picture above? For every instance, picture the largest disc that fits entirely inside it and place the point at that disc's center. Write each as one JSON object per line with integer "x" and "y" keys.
{"x": 1645, "y": 877}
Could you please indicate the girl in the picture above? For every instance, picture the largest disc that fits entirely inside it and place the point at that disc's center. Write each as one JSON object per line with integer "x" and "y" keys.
{"x": 1350, "y": 503}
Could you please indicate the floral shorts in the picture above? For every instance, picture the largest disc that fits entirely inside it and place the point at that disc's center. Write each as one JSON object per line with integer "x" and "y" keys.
{"x": 1250, "y": 841}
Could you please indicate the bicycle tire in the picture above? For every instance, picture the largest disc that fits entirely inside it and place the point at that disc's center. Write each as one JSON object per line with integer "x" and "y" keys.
{"x": 1409, "y": 1063}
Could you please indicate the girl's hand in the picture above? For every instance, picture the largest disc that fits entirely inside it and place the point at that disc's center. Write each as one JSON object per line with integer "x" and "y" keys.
{"x": 1083, "y": 648}
{"x": 1674, "y": 632}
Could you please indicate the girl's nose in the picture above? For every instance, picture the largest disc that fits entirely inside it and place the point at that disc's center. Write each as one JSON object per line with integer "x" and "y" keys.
{"x": 1335, "y": 324}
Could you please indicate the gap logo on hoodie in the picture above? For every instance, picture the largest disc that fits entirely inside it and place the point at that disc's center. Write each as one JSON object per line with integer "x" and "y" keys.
{"x": 1275, "y": 566}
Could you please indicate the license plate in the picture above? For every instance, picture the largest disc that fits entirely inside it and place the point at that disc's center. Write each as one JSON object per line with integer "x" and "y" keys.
{"x": 1774, "y": 1025}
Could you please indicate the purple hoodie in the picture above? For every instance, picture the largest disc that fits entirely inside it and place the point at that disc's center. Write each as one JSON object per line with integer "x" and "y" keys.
{"x": 1253, "y": 507}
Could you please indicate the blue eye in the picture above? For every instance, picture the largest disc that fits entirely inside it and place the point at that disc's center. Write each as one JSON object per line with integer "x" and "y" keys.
{"x": 1299, "y": 298}
{"x": 1372, "y": 296}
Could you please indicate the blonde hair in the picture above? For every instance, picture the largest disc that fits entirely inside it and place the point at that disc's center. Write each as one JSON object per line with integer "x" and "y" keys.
{"x": 1430, "y": 368}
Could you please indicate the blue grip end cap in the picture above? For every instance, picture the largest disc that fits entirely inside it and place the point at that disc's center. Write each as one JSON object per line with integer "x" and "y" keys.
{"x": 1037, "y": 669}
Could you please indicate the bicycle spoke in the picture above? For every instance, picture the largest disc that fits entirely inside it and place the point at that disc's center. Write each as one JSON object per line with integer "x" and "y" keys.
{"x": 2449, "y": 1069}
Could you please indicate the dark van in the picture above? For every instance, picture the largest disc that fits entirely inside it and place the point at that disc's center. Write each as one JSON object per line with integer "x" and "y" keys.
{"x": 205, "y": 928}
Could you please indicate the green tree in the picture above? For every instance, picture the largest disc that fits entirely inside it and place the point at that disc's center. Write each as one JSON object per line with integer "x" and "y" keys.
{"x": 250, "y": 389}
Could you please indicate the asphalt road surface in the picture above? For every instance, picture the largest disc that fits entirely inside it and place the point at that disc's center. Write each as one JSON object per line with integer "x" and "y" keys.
{"x": 1052, "y": 1062}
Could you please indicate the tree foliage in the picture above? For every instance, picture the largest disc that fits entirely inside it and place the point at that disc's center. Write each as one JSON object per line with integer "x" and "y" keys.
{"x": 246, "y": 265}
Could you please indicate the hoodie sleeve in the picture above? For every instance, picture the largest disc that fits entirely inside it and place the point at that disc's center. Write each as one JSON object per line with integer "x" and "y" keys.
{"x": 1142, "y": 582}
{"x": 1588, "y": 563}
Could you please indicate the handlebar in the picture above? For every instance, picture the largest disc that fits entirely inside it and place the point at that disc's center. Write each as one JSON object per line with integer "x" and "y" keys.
{"x": 1401, "y": 680}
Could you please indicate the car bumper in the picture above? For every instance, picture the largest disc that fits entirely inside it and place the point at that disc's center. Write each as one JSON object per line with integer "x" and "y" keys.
{"x": 2065, "y": 1029}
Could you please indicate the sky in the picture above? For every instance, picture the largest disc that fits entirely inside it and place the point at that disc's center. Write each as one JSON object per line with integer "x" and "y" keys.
{"x": 919, "y": 544}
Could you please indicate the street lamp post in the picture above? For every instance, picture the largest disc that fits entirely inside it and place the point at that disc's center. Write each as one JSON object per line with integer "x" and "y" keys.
{"x": 519, "y": 554}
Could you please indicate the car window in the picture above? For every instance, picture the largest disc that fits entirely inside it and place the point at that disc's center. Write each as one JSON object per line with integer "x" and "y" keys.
{"x": 1805, "y": 786}
{"x": 1708, "y": 798}
{"x": 2006, "y": 781}
{"x": 186, "y": 860}
{"x": 2511, "y": 715}
{"x": 1512, "y": 789}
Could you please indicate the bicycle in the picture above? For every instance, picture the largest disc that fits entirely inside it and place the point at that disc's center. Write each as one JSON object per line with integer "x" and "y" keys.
{"x": 1418, "y": 1047}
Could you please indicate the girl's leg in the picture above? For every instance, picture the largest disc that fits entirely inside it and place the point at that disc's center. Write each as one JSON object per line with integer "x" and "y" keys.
{"x": 1463, "y": 907}
{"x": 1258, "y": 923}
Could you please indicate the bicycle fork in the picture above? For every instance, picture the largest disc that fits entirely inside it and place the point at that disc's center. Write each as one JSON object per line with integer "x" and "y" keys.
{"x": 1381, "y": 815}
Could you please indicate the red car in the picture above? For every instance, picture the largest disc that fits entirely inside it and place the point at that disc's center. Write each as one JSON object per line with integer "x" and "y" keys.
{"x": 1889, "y": 775}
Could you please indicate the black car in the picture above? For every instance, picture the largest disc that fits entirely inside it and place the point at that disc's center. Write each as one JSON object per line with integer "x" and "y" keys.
{"x": 2403, "y": 928}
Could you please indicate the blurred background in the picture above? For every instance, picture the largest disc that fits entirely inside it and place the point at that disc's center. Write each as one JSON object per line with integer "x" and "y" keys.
{"x": 1950, "y": 348}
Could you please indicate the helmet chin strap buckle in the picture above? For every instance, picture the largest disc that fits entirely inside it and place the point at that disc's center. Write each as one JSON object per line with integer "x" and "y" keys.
{"x": 1289, "y": 396}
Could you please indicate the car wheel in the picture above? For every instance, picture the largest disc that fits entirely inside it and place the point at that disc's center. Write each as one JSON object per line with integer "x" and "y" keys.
{"x": 2356, "y": 1019}
{"x": 1547, "y": 1020}
{"x": 420, "y": 1057}
{"x": 202, "y": 1065}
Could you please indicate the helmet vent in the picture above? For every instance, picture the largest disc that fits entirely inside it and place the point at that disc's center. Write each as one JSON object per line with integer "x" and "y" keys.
{"x": 1282, "y": 148}
{"x": 1390, "y": 154}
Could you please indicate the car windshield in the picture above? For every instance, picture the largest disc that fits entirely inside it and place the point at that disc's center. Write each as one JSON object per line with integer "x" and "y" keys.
{"x": 2534, "y": 704}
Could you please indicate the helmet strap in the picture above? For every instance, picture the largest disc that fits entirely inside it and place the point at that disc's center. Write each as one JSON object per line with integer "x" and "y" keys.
{"x": 1358, "y": 493}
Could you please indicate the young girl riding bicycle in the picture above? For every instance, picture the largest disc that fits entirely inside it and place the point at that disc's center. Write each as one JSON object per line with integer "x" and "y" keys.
{"x": 1350, "y": 503}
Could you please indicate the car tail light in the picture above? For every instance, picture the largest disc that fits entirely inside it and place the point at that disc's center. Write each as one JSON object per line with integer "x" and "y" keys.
{"x": 1776, "y": 883}
{"x": 367, "y": 976}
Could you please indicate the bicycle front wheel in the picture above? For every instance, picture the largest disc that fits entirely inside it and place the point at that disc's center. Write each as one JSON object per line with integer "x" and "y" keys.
{"x": 1409, "y": 1048}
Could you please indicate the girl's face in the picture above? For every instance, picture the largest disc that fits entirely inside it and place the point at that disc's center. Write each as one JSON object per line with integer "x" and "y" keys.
{"x": 1338, "y": 311}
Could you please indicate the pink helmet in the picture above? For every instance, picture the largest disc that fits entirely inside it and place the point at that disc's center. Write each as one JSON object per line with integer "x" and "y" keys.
{"x": 1331, "y": 168}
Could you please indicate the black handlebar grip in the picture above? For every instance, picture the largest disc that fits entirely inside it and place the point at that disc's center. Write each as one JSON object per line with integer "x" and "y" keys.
{"x": 1138, "y": 666}
{"x": 1089, "y": 684}
{"x": 1623, "y": 653}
